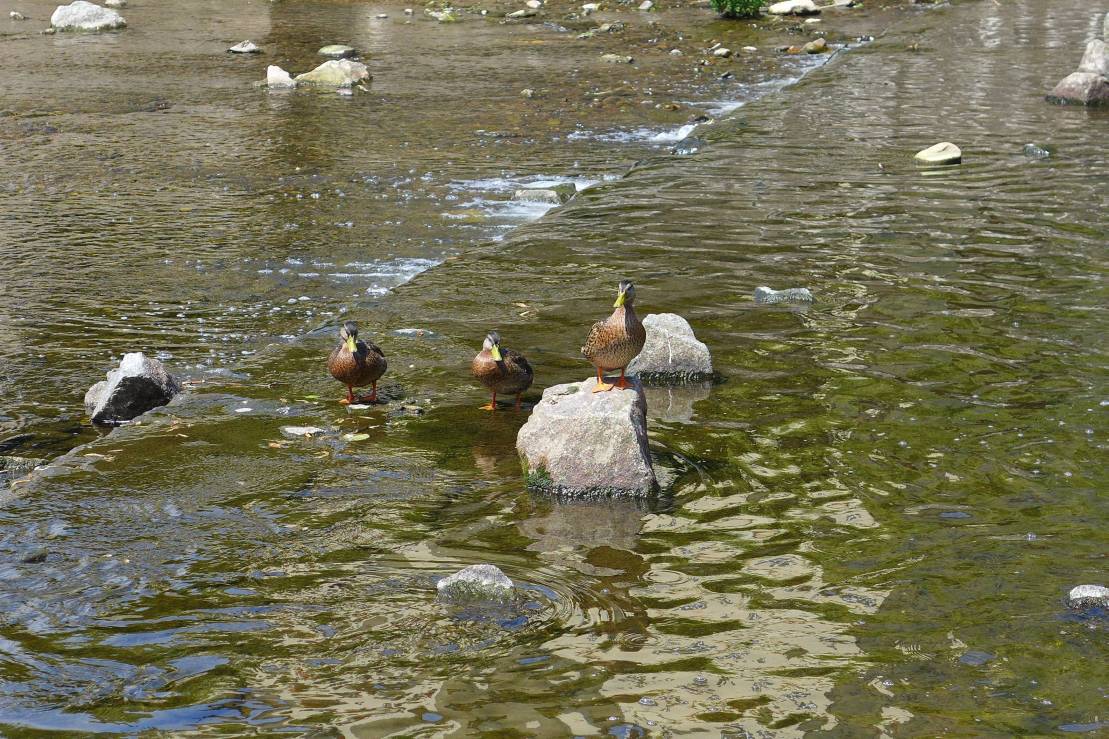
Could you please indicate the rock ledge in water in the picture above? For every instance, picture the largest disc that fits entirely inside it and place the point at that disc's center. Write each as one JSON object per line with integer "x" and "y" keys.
{"x": 672, "y": 353}
{"x": 768, "y": 296}
{"x": 588, "y": 444}
{"x": 1087, "y": 596}
{"x": 85, "y": 16}
{"x": 476, "y": 582}
{"x": 138, "y": 385}
{"x": 1081, "y": 88}
{"x": 338, "y": 51}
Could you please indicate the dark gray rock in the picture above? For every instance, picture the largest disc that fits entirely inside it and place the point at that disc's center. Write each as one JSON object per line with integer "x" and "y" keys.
{"x": 672, "y": 353}
{"x": 1081, "y": 88}
{"x": 585, "y": 444}
{"x": 138, "y": 385}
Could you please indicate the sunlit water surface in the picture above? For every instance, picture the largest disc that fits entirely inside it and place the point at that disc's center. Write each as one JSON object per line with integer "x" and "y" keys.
{"x": 867, "y": 528}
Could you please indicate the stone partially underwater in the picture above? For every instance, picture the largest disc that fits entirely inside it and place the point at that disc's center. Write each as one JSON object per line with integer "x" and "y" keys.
{"x": 476, "y": 583}
{"x": 85, "y": 16}
{"x": 138, "y": 385}
{"x": 1089, "y": 85}
{"x": 585, "y": 444}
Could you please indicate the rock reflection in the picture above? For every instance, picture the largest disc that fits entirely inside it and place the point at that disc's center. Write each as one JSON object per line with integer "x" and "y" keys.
{"x": 675, "y": 403}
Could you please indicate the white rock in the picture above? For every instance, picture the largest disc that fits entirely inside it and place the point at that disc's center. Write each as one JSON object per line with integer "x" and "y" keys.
{"x": 675, "y": 52}
{"x": 590, "y": 8}
{"x": 17, "y": 16}
{"x": 335, "y": 73}
{"x": 750, "y": 49}
{"x": 556, "y": 195}
{"x": 577, "y": 442}
{"x": 616, "y": 59}
{"x": 794, "y": 7}
{"x": 85, "y": 16}
{"x": 476, "y": 582}
{"x": 521, "y": 13}
{"x": 301, "y": 430}
{"x": 944, "y": 152}
{"x": 244, "y": 47}
{"x": 766, "y": 295}
{"x": 1084, "y": 596}
{"x": 646, "y": 5}
{"x": 277, "y": 78}
{"x": 1096, "y": 58}
{"x": 672, "y": 352}
{"x": 409, "y": 11}
{"x": 116, "y": 3}
{"x": 722, "y": 52}
{"x": 443, "y": 16}
{"x": 535, "y": 4}
{"x": 337, "y": 51}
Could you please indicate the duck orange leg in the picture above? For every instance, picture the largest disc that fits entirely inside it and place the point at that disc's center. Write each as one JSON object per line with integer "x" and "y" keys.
{"x": 518, "y": 400}
{"x": 350, "y": 396}
{"x": 601, "y": 385}
{"x": 371, "y": 398}
{"x": 622, "y": 383}
{"x": 492, "y": 404}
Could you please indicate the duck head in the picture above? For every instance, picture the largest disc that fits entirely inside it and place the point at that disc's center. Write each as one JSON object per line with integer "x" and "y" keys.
{"x": 626, "y": 295}
{"x": 492, "y": 345}
{"x": 349, "y": 334}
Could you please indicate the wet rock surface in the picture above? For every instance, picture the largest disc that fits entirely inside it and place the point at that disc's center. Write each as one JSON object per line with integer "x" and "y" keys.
{"x": 672, "y": 352}
{"x": 944, "y": 152}
{"x": 278, "y": 78}
{"x": 476, "y": 583}
{"x": 586, "y": 444}
{"x": 335, "y": 73}
{"x": 1088, "y": 596}
{"x": 85, "y": 16}
{"x": 1081, "y": 88}
{"x": 769, "y": 296}
{"x": 138, "y": 385}
{"x": 245, "y": 47}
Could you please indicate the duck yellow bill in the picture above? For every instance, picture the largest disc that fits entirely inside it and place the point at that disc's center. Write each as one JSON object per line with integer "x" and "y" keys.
{"x": 619, "y": 301}
{"x": 496, "y": 352}
{"x": 351, "y": 346}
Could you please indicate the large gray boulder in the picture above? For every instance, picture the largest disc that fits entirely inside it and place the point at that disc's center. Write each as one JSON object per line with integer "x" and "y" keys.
{"x": 672, "y": 353}
{"x": 85, "y": 16}
{"x": 1096, "y": 58}
{"x": 588, "y": 444}
{"x": 138, "y": 385}
{"x": 1081, "y": 88}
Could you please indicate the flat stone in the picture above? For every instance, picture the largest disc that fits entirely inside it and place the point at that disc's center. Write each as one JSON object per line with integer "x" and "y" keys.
{"x": 646, "y": 5}
{"x": 85, "y": 16}
{"x": 278, "y": 78}
{"x": 476, "y": 583}
{"x": 1087, "y": 596}
{"x": 534, "y": 4}
{"x": 794, "y": 7}
{"x": 1096, "y": 58}
{"x": 590, "y": 8}
{"x": 335, "y": 73}
{"x": 672, "y": 353}
{"x": 944, "y": 152}
{"x": 138, "y": 385}
{"x": 245, "y": 47}
{"x": 337, "y": 51}
{"x": 443, "y": 16}
{"x": 299, "y": 431}
{"x": 769, "y": 296}
{"x": 522, "y": 13}
{"x": 577, "y": 442}
{"x": 1081, "y": 88}
{"x": 816, "y": 46}
{"x": 116, "y": 3}
{"x": 556, "y": 195}
{"x": 722, "y": 52}
{"x": 616, "y": 59}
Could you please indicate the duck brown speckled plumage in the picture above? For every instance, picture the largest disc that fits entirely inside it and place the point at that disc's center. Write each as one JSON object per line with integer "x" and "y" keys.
{"x": 501, "y": 370}
{"x": 356, "y": 363}
{"x": 615, "y": 341}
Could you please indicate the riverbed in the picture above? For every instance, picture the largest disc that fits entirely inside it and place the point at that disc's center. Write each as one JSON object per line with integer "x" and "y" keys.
{"x": 868, "y": 527}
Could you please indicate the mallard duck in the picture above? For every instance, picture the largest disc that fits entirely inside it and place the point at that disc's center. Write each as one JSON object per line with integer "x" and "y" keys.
{"x": 356, "y": 363}
{"x": 615, "y": 341}
{"x": 501, "y": 370}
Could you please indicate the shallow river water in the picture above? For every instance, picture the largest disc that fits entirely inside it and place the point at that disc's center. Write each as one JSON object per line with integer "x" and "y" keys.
{"x": 867, "y": 528}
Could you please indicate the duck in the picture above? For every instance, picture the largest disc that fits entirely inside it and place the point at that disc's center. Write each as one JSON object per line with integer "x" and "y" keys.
{"x": 356, "y": 363}
{"x": 501, "y": 370}
{"x": 615, "y": 341}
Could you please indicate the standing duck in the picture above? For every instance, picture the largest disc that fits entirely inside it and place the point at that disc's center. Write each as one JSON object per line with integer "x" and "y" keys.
{"x": 501, "y": 370}
{"x": 615, "y": 341}
{"x": 356, "y": 363}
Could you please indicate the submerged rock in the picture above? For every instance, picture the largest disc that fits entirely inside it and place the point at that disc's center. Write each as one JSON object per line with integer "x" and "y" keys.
{"x": 337, "y": 51}
{"x": 944, "y": 152}
{"x": 1088, "y": 596}
{"x": 768, "y": 296}
{"x": 476, "y": 582}
{"x": 278, "y": 78}
{"x": 85, "y": 16}
{"x": 443, "y": 16}
{"x": 138, "y": 385}
{"x": 556, "y": 195}
{"x": 616, "y": 59}
{"x": 672, "y": 353}
{"x": 688, "y": 145}
{"x": 794, "y": 7}
{"x": 335, "y": 73}
{"x": 1036, "y": 152}
{"x": 816, "y": 46}
{"x": 1096, "y": 58}
{"x": 578, "y": 442}
{"x": 245, "y": 47}
{"x": 1081, "y": 88}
